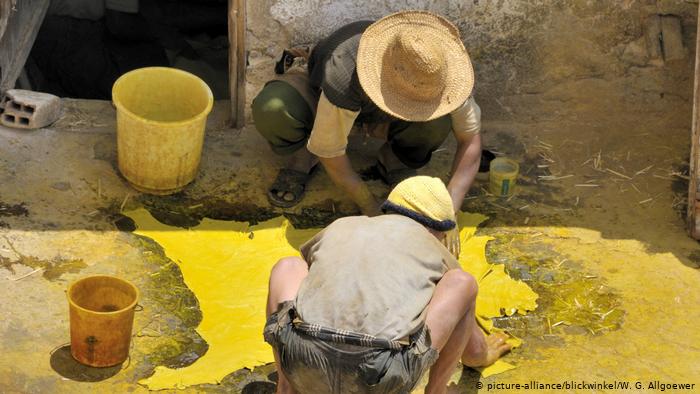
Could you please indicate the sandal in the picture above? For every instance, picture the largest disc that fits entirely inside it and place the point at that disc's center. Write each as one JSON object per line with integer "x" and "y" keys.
{"x": 393, "y": 177}
{"x": 289, "y": 181}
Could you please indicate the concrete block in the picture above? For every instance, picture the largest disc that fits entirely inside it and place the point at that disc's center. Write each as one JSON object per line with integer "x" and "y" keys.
{"x": 24, "y": 109}
{"x": 672, "y": 38}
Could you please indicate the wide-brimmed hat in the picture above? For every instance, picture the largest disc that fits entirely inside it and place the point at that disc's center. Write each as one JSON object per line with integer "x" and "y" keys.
{"x": 413, "y": 65}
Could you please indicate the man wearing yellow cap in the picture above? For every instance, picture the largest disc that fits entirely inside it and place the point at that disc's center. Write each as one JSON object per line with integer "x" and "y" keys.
{"x": 375, "y": 302}
{"x": 406, "y": 79}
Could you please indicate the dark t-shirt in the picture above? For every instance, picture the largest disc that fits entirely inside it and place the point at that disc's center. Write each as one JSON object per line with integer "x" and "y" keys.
{"x": 333, "y": 69}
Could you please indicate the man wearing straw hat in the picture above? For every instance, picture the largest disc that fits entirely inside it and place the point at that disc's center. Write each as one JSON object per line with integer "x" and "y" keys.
{"x": 406, "y": 79}
{"x": 375, "y": 302}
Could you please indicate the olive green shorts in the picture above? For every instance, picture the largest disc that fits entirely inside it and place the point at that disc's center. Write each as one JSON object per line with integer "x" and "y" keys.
{"x": 285, "y": 119}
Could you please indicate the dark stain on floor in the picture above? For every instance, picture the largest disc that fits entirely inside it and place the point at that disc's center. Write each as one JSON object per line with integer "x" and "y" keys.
{"x": 181, "y": 210}
{"x": 179, "y": 344}
{"x": 694, "y": 258}
{"x": 13, "y": 209}
{"x": 52, "y": 269}
{"x": 679, "y": 188}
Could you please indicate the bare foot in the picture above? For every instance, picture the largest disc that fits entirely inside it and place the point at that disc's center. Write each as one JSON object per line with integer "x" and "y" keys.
{"x": 486, "y": 353}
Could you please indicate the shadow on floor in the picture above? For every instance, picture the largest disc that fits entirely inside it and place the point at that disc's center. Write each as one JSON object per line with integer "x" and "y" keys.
{"x": 259, "y": 388}
{"x": 65, "y": 365}
{"x": 468, "y": 382}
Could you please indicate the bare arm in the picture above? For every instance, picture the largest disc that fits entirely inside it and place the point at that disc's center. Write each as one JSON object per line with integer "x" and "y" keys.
{"x": 464, "y": 167}
{"x": 342, "y": 174}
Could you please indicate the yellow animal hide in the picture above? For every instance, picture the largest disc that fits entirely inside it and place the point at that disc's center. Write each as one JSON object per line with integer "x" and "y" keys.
{"x": 227, "y": 265}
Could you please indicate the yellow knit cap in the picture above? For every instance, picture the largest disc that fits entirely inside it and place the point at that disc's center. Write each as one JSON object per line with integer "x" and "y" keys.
{"x": 425, "y": 196}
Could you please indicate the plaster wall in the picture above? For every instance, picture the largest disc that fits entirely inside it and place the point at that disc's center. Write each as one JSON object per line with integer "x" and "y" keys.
{"x": 532, "y": 58}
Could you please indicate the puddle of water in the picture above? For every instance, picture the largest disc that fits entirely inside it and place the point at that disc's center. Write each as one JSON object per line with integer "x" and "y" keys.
{"x": 181, "y": 211}
{"x": 52, "y": 269}
{"x": 571, "y": 301}
{"x": 179, "y": 345}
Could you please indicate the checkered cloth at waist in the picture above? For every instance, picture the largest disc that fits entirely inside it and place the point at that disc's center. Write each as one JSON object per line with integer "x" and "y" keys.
{"x": 354, "y": 338}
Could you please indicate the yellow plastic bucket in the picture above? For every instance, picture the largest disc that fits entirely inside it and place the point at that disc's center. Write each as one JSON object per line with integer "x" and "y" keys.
{"x": 161, "y": 118}
{"x": 503, "y": 173}
{"x": 101, "y": 319}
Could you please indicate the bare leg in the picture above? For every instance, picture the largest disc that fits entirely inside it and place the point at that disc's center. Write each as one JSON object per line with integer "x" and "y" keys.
{"x": 285, "y": 279}
{"x": 302, "y": 160}
{"x": 446, "y": 319}
{"x": 454, "y": 331}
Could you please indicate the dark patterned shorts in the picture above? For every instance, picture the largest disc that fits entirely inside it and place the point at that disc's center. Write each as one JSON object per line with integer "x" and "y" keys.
{"x": 315, "y": 365}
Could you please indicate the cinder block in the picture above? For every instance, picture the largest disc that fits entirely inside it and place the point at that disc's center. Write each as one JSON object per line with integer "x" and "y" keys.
{"x": 25, "y": 109}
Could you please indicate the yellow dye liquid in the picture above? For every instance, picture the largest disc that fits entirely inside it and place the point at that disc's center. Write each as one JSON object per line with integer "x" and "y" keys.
{"x": 227, "y": 266}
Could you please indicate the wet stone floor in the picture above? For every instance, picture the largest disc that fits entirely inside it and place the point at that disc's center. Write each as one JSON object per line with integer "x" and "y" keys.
{"x": 616, "y": 275}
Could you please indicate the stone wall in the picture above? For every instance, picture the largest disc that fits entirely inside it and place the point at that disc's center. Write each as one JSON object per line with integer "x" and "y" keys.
{"x": 533, "y": 59}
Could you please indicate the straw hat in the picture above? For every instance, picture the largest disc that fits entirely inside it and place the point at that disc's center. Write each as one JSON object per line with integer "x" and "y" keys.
{"x": 424, "y": 199}
{"x": 413, "y": 66}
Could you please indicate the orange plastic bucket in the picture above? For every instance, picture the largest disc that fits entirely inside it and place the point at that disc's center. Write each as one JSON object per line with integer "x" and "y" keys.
{"x": 101, "y": 319}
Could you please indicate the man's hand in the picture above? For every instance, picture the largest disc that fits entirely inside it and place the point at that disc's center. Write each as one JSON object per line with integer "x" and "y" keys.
{"x": 366, "y": 201}
{"x": 341, "y": 172}
{"x": 452, "y": 242}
